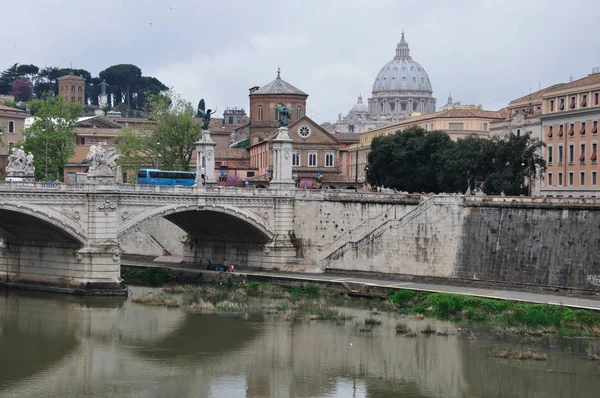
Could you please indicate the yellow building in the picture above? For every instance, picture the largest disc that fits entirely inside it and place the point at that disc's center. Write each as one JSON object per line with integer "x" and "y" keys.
{"x": 457, "y": 123}
{"x": 72, "y": 88}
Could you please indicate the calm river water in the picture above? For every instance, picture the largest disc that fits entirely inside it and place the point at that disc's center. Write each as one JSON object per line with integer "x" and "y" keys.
{"x": 58, "y": 346}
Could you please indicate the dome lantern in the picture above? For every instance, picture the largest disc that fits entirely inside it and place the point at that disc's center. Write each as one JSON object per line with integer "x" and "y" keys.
{"x": 402, "y": 50}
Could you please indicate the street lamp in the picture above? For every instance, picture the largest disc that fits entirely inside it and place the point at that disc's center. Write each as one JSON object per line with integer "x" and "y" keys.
{"x": 44, "y": 131}
{"x": 528, "y": 179}
{"x": 158, "y": 156}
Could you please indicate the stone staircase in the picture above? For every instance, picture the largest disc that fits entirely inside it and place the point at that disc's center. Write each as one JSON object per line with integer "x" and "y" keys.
{"x": 373, "y": 234}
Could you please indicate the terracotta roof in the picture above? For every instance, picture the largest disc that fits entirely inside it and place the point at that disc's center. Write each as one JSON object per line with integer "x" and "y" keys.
{"x": 347, "y": 137}
{"x": 585, "y": 81}
{"x": 133, "y": 120}
{"x": 278, "y": 86}
{"x": 9, "y": 109}
{"x": 503, "y": 113}
{"x": 536, "y": 95}
{"x": 71, "y": 76}
{"x": 100, "y": 132}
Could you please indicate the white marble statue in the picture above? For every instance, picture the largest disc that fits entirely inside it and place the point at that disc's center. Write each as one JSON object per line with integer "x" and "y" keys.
{"x": 20, "y": 163}
{"x": 102, "y": 161}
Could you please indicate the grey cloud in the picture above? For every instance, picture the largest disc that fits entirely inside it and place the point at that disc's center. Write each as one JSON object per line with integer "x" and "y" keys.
{"x": 481, "y": 52}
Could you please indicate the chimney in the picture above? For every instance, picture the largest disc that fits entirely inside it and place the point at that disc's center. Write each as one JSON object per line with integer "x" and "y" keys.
{"x": 253, "y": 89}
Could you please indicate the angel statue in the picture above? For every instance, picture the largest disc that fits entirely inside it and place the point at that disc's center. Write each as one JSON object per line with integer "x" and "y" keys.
{"x": 204, "y": 114}
{"x": 284, "y": 115}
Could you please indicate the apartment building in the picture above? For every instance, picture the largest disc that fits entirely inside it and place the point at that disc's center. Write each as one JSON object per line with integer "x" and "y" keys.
{"x": 570, "y": 115}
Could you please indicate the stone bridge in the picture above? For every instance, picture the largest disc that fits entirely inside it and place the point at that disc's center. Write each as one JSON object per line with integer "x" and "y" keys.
{"x": 68, "y": 235}
{"x": 73, "y": 236}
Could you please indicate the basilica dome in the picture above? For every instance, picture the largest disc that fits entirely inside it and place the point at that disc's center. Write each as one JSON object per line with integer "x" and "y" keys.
{"x": 360, "y": 106}
{"x": 402, "y": 73}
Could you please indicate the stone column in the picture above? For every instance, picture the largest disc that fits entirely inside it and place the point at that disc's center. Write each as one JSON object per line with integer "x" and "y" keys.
{"x": 282, "y": 161}
{"x": 205, "y": 159}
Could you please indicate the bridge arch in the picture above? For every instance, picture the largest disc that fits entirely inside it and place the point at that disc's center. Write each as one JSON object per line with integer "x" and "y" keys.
{"x": 39, "y": 221}
{"x": 177, "y": 214}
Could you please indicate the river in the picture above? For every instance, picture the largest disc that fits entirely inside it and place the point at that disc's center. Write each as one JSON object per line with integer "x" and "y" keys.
{"x": 62, "y": 346}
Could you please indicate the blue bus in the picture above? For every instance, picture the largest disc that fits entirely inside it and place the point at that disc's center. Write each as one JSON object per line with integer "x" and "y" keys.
{"x": 161, "y": 177}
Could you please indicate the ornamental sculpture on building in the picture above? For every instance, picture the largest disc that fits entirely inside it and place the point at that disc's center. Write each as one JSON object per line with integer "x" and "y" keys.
{"x": 102, "y": 161}
{"x": 20, "y": 164}
{"x": 205, "y": 115}
{"x": 284, "y": 115}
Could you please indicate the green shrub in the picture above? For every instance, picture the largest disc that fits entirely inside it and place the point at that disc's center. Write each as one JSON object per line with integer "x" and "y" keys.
{"x": 534, "y": 315}
{"x": 419, "y": 309}
{"x": 401, "y": 296}
{"x": 446, "y": 305}
{"x": 305, "y": 291}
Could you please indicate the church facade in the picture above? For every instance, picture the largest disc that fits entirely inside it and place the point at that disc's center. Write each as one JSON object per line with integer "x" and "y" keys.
{"x": 401, "y": 89}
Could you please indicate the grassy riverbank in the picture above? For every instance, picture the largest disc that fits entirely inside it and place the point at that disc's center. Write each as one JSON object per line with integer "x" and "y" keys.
{"x": 536, "y": 317}
{"x": 229, "y": 297}
{"x": 509, "y": 313}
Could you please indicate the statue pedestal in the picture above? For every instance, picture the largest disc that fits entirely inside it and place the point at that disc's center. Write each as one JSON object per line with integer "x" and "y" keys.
{"x": 205, "y": 160}
{"x": 100, "y": 179}
{"x": 282, "y": 161}
{"x": 21, "y": 174}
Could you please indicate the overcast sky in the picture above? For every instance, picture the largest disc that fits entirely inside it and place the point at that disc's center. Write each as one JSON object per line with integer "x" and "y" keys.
{"x": 482, "y": 51}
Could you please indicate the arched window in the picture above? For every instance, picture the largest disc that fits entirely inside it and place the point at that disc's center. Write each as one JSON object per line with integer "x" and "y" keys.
{"x": 260, "y": 113}
{"x": 79, "y": 89}
{"x": 276, "y": 114}
{"x": 299, "y": 112}
{"x": 73, "y": 88}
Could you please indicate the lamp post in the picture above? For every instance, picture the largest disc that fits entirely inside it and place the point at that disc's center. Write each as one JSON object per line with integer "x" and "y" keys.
{"x": 528, "y": 180}
{"x": 157, "y": 156}
{"x": 46, "y": 136}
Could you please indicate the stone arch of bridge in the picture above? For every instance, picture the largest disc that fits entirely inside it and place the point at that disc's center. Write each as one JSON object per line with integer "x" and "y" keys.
{"x": 189, "y": 217}
{"x": 33, "y": 223}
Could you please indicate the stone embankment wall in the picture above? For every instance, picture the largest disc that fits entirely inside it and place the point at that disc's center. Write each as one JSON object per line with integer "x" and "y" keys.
{"x": 544, "y": 242}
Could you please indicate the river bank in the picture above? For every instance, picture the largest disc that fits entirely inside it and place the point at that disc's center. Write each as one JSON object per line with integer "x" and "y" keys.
{"x": 230, "y": 290}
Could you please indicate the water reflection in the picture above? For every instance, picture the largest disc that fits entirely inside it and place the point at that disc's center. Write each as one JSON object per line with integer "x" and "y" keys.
{"x": 72, "y": 348}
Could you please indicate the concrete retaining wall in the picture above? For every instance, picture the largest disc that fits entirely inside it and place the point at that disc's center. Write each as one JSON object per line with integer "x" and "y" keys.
{"x": 545, "y": 242}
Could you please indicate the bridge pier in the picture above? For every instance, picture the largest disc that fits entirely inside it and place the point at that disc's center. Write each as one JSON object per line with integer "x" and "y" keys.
{"x": 54, "y": 267}
{"x": 42, "y": 249}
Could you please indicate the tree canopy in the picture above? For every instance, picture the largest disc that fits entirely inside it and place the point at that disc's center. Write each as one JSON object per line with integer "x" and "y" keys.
{"x": 126, "y": 83}
{"x": 50, "y": 137}
{"x": 170, "y": 142}
{"x": 416, "y": 160}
